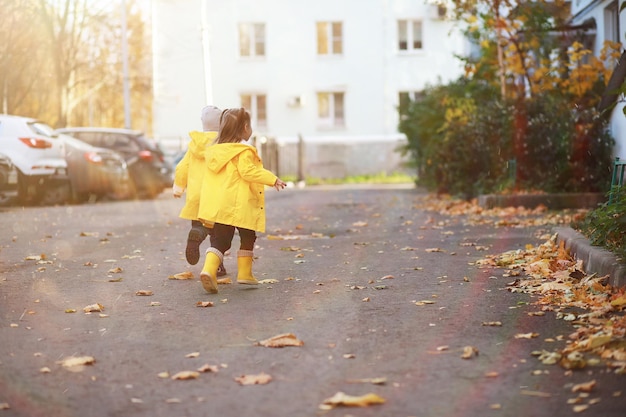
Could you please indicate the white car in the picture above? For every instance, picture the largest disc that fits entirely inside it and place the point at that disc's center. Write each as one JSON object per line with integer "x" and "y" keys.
{"x": 39, "y": 158}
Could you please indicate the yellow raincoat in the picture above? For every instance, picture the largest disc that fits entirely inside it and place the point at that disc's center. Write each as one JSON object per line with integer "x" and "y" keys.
{"x": 233, "y": 190}
{"x": 190, "y": 170}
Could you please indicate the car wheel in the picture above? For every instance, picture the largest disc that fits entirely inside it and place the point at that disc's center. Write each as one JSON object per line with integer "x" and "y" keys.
{"x": 55, "y": 193}
{"x": 7, "y": 198}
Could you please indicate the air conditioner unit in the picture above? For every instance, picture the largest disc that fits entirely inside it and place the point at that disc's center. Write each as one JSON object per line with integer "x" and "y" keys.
{"x": 296, "y": 101}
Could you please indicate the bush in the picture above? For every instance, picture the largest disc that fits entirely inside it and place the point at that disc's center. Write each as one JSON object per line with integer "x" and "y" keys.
{"x": 461, "y": 137}
{"x": 606, "y": 226}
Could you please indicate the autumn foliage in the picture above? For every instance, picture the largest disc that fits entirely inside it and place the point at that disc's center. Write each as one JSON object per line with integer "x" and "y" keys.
{"x": 523, "y": 117}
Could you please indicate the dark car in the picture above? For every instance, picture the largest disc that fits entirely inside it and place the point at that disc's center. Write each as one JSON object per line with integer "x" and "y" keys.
{"x": 95, "y": 172}
{"x": 150, "y": 172}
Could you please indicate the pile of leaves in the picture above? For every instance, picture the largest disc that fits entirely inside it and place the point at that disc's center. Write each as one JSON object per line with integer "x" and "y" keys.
{"x": 596, "y": 310}
{"x": 499, "y": 216}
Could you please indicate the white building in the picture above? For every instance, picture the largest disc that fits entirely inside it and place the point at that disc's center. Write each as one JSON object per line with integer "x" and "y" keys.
{"x": 330, "y": 71}
{"x": 610, "y": 25}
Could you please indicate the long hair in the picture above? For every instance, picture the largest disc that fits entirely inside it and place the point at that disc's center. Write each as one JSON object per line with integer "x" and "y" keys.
{"x": 233, "y": 125}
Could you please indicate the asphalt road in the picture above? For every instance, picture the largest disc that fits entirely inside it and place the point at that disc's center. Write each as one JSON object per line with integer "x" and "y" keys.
{"x": 384, "y": 296}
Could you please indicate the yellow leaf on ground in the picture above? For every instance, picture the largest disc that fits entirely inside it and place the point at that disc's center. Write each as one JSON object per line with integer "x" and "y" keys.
{"x": 144, "y": 293}
{"x": 342, "y": 399}
{"x": 281, "y": 340}
{"x": 208, "y": 368}
{"x": 618, "y": 302}
{"x": 585, "y": 386}
{"x": 258, "y": 379}
{"x": 224, "y": 281}
{"x": 204, "y": 304}
{"x": 77, "y": 361}
{"x": 92, "y": 308}
{"x": 183, "y": 375}
{"x": 469, "y": 352}
{"x": 526, "y": 335}
{"x": 269, "y": 281}
{"x": 182, "y": 275}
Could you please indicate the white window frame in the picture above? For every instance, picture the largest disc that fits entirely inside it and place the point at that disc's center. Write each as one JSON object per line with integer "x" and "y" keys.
{"x": 611, "y": 22}
{"x": 408, "y": 39}
{"x": 252, "y": 39}
{"x": 328, "y": 41}
{"x": 256, "y": 104}
{"x": 331, "y": 110}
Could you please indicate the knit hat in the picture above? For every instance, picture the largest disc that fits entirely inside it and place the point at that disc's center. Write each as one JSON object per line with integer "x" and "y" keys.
{"x": 210, "y": 118}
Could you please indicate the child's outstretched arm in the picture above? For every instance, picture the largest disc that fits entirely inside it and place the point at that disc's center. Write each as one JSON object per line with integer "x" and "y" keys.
{"x": 279, "y": 184}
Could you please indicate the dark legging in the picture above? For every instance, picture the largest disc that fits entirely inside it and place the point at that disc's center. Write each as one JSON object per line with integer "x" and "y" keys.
{"x": 222, "y": 237}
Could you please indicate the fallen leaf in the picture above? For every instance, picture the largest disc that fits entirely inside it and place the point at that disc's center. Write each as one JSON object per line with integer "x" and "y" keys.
{"x": 77, "y": 361}
{"x": 144, "y": 293}
{"x": 45, "y": 370}
{"x": 182, "y": 275}
{"x": 281, "y": 340}
{"x": 469, "y": 352}
{"x": 163, "y": 374}
{"x": 580, "y": 408}
{"x": 204, "y": 304}
{"x": 432, "y": 250}
{"x": 115, "y": 270}
{"x": 208, "y": 368}
{"x": 192, "y": 355}
{"x": 359, "y": 224}
{"x": 342, "y": 399}
{"x": 492, "y": 323}
{"x": 93, "y": 308}
{"x": 585, "y": 386}
{"x": 224, "y": 281}
{"x": 535, "y": 393}
{"x": 258, "y": 379}
{"x": 375, "y": 381}
{"x": 184, "y": 375}
{"x": 526, "y": 335}
{"x": 423, "y": 302}
{"x": 70, "y": 310}
{"x": 268, "y": 281}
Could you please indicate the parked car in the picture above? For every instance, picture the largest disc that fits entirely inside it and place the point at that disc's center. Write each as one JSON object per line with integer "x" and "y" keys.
{"x": 95, "y": 172}
{"x": 150, "y": 172}
{"x": 39, "y": 158}
{"x": 8, "y": 180}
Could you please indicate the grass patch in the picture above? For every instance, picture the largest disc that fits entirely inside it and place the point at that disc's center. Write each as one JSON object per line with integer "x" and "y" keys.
{"x": 380, "y": 178}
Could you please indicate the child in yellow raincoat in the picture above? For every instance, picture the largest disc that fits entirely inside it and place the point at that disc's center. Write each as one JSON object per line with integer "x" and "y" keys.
{"x": 233, "y": 196}
{"x": 188, "y": 177}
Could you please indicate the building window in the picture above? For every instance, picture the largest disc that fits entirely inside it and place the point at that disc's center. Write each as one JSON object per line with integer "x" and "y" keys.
{"x": 409, "y": 35}
{"x": 257, "y": 105}
{"x": 611, "y": 22}
{"x": 330, "y": 109}
{"x": 252, "y": 39}
{"x": 329, "y": 38}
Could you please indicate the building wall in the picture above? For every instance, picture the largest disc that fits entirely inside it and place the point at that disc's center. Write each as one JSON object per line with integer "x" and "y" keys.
{"x": 370, "y": 71}
{"x": 583, "y": 10}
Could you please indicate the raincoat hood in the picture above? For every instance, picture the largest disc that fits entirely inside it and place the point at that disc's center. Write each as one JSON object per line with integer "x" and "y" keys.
{"x": 199, "y": 142}
{"x": 217, "y": 156}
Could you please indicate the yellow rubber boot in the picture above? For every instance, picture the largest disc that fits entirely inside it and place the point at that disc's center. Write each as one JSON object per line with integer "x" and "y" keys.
{"x": 244, "y": 268}
{"x": 208, "y": 276}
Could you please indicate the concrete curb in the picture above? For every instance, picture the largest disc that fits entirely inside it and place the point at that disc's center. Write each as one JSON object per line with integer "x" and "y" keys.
{"x": 595, "y": 260}
{"x": 551, "y": 201}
